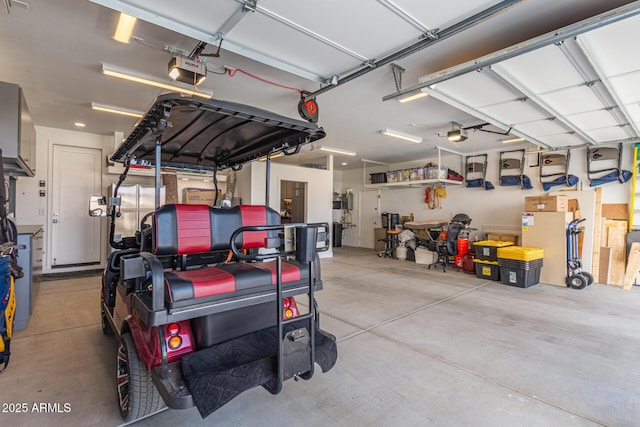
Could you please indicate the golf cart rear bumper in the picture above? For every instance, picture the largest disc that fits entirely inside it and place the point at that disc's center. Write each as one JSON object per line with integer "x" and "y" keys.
{"x": 173, "y": 388}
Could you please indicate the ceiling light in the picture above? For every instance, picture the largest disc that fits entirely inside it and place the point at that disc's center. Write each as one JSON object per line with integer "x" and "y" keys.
{"x": 413, "y": 97}
{"x": 79, "y": 124}
{"x": 187, "y": 70}
{"x": 507, "y": 141}
{"x": 405, "y": 136}
{"x": 124, "y": 28}
{"x": 344, "y": 163}
{"x": 273, "y": 156}
{"x": 457, "y": 135}
{"x": 337, "y": 150}
{"x": 116, "y": 110}
{"x": 121, "y": 73}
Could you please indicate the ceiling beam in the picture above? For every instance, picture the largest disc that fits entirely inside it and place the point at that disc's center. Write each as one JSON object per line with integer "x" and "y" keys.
{"x": 506, "y": 79}
{"x": 308, "y": 32}
{"x": 213, "y": 39}
{"x": 421, "y": 44}
{"x": 569, "y": 31}
{"x": 584, "y": 50}
{"x": 480, "y": 115}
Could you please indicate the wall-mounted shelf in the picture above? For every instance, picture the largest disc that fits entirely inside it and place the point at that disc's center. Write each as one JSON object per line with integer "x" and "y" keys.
{"x": 415, "y": 183}
{"x": 418, "y": 183}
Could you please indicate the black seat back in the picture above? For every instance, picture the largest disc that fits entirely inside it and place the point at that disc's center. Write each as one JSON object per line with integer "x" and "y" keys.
{"x": 178, "y": 229}
{"x": 452, "y": 237}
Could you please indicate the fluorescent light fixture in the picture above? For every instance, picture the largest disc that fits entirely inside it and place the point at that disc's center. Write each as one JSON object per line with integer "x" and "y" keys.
{"x": 401, "y": 135}
{"x": 457, "y": 135}
{"x": 79, "y": 124}
{"x": 375, "y": 162}
{"x": 507, "y": 141}
{"x": 124, "y": 29}
{"x": 413, "y": 97}
{"x": 344, "y": 163}
{"x": 274, "y": 156}
{"x": 337, "y": 151}
{"x": 116, "y": 110}
{"x": 121, "y": 73}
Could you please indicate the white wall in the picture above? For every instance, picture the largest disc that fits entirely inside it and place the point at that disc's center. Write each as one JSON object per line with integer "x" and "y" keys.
{"x": 319, "y": 188}
{"x": 31, "y": 209}
{"x": 499, "y": 208}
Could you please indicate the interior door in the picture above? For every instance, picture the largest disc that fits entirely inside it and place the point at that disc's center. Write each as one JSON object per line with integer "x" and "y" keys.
{"x": 75, "y": 236}
{"x": 369, "y": 217}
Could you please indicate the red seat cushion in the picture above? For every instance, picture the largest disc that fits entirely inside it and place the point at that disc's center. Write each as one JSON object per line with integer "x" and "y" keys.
{"x": 290, "y": 272}
{"x": 229, "y": 278}
{"x": 202, "y": 282}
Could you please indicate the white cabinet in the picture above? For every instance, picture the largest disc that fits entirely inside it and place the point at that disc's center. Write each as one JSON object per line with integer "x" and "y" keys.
{"x": 17, "y": 133}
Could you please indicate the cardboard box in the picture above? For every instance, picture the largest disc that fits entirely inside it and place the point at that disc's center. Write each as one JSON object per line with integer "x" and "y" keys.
{"x": 546, "y": 203}
{"x": 198, "y": 196}
{"x": 504, "y": 238}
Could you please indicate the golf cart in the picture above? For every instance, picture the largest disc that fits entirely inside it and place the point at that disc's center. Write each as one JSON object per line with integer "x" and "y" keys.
{"x": 202, "y": 298}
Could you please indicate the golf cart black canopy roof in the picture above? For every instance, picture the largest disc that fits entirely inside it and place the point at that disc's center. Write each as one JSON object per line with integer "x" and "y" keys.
{"x": 211, "y": 134}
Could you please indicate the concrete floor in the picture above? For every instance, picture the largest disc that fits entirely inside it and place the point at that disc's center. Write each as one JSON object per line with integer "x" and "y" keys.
{"x": 416, "y": 347}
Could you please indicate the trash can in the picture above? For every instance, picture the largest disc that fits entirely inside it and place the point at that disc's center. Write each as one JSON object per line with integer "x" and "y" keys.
{"x": 337, "y": 235}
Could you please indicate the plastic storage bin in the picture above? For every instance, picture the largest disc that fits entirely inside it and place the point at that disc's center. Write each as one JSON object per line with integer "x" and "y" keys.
{"x": 487, "y": 269}
{"x": 392, "y": 176}
{"x": 378, "y": 178}
{"x": 520, "y": 273}
{"x": 434, "y": 172}
{"x": 487, "y": 250}
{"x": 423, "y": 256}
{"x": 520, "y": 253}
{"x": 417, "y": 174}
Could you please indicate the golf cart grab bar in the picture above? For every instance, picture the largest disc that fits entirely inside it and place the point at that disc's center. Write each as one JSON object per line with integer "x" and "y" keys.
{"x": 307, "y": 238}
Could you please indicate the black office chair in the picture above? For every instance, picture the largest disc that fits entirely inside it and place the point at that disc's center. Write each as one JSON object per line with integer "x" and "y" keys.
{"x": 447, "y": 248}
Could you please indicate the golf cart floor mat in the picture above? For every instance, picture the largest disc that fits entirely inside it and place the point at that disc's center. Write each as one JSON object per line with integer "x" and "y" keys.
{"x": 218, "y": 374}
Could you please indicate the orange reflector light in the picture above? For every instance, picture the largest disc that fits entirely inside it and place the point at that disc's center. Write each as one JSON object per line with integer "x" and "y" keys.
{"x": 288, "y": 313}
{"x": 175, "y": 342}
{"x": 173, "y": 329}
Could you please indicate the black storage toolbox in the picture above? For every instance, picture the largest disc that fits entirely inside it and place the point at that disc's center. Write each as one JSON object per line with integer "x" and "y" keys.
{"x": 487, "y": 269}
{"x": 521, "y": 274}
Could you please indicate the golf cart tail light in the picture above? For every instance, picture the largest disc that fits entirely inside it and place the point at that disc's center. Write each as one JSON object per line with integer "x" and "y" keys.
{"x": 173, "y": 329}
{"x": 287, "y": 303}
{"x": 175, "y": 342}
{"x": 288, "y": 313}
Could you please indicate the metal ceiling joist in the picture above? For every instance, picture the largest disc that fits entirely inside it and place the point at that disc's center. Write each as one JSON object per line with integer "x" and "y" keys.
{"x": 584, "y": 63}
{"x": 480, "y": 115}
{"x": 423, "y": 43}
{"x": 309, "y": 33}
{"x": 406, "y": 16}
{"x": 607, "y": 84}
{"x": 208, "y": 38}
{"x": 508, "y": 80}
{"x": 233, "y": 20}
{"x": 567, "y": 32}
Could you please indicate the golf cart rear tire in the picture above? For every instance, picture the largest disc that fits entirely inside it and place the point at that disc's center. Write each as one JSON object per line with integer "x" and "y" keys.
{"x": 577, "y": 281}
{"x": 137, "y": 394}
{"x": 589, "y": 277}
